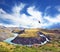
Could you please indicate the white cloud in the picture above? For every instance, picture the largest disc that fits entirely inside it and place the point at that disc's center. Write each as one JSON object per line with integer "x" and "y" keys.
{"x": 53, "y": 20}
{"x": 22, "y": 20}
{"x": 16, "y": 9}
{"x": 34, "y": 13}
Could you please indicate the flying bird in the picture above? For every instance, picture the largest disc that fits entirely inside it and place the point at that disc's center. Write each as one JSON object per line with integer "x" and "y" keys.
{"x": 38, "y": 21}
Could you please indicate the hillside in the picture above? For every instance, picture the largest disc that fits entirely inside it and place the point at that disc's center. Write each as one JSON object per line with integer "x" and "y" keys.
{"x": 6, "y": 32}
{"x": 29, "y": 33}
{"x": 54, "y": 33}
{"x": 31, "y": 36}
{"x": 50, "y": 47}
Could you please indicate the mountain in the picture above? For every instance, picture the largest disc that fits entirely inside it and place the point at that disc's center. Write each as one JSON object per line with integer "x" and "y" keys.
{"x": 4, "y": 33}
{"x": 31, "y": 36}
{"x": 54, "y": 33}
{"x": 7, "y": 32}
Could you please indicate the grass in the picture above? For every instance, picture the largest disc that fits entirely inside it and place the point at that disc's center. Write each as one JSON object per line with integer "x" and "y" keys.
{"x": 29, "y": 33}
{"x": 49, "y": 47}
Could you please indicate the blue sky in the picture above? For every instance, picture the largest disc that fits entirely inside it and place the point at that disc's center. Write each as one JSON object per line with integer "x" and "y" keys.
{"x": 28, "y": 13}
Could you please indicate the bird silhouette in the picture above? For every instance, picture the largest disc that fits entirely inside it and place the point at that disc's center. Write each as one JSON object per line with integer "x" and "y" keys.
{"x": 39, "y": 21}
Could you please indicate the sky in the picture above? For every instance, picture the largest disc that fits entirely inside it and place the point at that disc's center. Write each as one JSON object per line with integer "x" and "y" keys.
{"x": 28, "y": 13}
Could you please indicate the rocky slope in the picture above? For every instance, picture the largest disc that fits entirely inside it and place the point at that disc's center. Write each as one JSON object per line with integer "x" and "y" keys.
{"x": 31, "y": 36}
{"x": 4, "y": 33}
{"x": 54, "y": 33}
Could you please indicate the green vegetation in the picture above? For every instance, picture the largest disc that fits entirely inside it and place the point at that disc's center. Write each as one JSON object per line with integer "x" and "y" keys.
{"x": 49, "y": 47}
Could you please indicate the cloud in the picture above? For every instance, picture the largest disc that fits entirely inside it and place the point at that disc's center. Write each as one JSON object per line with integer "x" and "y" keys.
{"x": 53, "y": 20}
{"x": 22, "y": 20}
{"x": 34, "y": 13}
